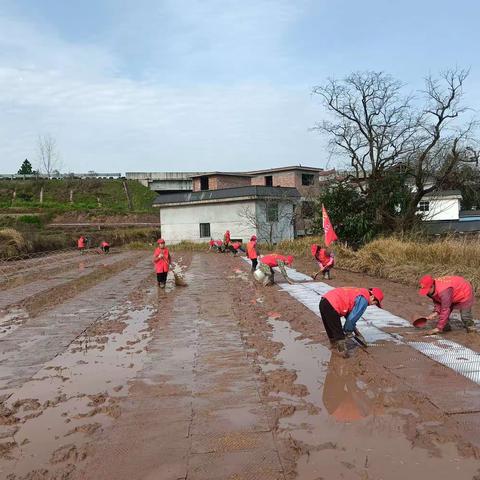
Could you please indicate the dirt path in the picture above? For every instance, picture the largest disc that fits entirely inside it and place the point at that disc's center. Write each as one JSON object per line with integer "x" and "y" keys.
{"x": 222, "y": 379}
{"x": 74, "y": 271}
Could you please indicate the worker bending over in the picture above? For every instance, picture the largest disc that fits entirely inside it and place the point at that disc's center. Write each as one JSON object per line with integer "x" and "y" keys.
{"x": 267, "y": 263}
{"x": 162, "y": 261}
{"x": 325, "y": 259}
{"x": 448, "y": 293}
{"x": 105, "y": 246}
{"x": 348, "y": 302}
{"x": 236, "y": 247}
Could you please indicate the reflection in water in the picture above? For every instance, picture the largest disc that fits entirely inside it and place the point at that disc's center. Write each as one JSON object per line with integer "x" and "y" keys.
{"x": 342, "y": 397}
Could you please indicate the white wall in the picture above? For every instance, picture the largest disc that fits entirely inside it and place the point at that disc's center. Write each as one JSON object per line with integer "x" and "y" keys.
{"x": 281, "y": 230}
{"x": 442, "y": 209}
{"x": 183, "y": 222}
{"x": 243, "y": 219}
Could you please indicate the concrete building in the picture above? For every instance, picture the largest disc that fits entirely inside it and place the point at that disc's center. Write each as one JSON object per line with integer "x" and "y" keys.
{"x": 164, "y": 182}
{"x": 307, "y": 180}
{"x": 440, "y": 205}
{"x": 267, "y": 212}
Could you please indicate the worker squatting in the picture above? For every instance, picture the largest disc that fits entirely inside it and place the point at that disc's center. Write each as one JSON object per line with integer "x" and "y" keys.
{"x": 447, "y": 293}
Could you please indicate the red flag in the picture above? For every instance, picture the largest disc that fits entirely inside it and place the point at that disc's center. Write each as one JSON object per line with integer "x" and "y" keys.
{"x": 330, "y": 235}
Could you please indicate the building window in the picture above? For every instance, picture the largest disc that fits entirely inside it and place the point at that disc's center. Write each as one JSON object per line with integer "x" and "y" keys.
{"x": 204, "y": 183}
{"x": 308, "y": 209}
{"x": 268, "y": 180}
{"x": 272, "y": 212}
{"x": 424, "y": 206}
{"x": 308, "y": 179}
{"x": 204, "y": 230}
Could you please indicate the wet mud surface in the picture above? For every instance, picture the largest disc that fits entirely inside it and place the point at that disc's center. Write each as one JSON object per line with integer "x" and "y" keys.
{"x": 222, "y": 379}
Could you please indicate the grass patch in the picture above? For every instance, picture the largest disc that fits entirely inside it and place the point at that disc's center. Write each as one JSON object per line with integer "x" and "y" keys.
{"x": 402, "y": 259}
{"x": 87, "y": 194}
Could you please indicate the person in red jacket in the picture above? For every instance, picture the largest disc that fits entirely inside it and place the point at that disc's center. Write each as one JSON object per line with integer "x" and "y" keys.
{"x": 268, "y": 262}
{"x": 236, "y": 247}
{"x": 105, "y": 246}
{"x": 81, "y": 243}
{"x": 448, "y": 293}
{"x": 252, "y": 252}
{"x": 348, "y": 302}
{"x": 226, "y": 238}
{"x": 162, "y": 260}
{"x": 325, "y": 259}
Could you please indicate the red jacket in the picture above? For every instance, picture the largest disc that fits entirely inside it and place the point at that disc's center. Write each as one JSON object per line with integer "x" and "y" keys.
{"x": 343, "y": 299}
{"x": 226, "y": 237}
{"x": 252, "y": 250}
{"x": 272, "y": 259}
{"x": 324, "y": 259}
{"x": 451, "y": 292}
{"x": 81, "y": 242}
{"x": 161, "y": 264}
{"x": 104, "y": 244}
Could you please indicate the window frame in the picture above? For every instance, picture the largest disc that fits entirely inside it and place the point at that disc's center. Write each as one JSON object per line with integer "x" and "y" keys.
{"x": 424, "y": 206}
{"x": 204, "y": 181}
{"x": 311, "y": 179}
{"x": 271, "y": 207}
{"x": 202, "y": 226}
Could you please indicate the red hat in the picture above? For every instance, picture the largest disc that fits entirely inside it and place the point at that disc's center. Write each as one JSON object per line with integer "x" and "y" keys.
{"x": 425, "y": 284}
{"x": 314, "y": 249}
{"x": 289, "y": 260}
{"x": 160, "y": 241}
{"x": 378, "y": 294}
{"x": 253, "y": 238}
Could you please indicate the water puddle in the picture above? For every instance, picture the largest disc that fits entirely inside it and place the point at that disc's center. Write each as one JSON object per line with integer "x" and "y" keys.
{"x": 344, "y": 428}
{"x": 77, "y": 393}
{"x": 11, "y": 319}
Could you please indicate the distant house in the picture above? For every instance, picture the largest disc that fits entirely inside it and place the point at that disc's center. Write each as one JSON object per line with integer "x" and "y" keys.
{"x": 442, "y": 214}
{"x": 440, "y": 205}
{"x": 246, "y": 210}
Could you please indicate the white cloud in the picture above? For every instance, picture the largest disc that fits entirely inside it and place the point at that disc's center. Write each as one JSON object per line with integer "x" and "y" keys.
{"x": 106, "y": 121}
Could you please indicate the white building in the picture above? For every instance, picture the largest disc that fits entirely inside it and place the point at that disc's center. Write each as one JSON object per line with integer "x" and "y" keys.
{"x": 441, "y": 205}
{"x": 267, "y": 212}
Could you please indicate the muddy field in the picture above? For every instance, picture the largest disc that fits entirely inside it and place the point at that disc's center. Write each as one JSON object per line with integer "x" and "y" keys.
{"x": 105, "y": 376}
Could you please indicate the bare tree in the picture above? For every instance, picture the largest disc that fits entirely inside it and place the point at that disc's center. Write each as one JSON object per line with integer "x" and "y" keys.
{"x": 373, "y": 124}
{"x": 439, "y": 145}
{"x": 270, "y": 217}
{"x": 48, "y": 155}
{"x": 379, "y": 130}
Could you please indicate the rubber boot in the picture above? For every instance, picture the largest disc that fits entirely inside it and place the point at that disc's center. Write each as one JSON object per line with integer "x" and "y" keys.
{"x": 342, "y": 348}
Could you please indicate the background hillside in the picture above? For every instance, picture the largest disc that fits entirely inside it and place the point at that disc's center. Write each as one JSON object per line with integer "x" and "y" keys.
{"x": 107, "y": 196}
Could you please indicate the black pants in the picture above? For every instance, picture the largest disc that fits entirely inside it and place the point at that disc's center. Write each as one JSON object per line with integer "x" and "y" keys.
{"x": 254, "y": 264}
{"x": 106, "y": 249}
{"x": 162, "y": 277}
{"x": 331, "y": 320}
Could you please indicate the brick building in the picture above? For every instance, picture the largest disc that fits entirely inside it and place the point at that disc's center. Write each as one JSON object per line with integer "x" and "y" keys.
{"x": 308, "y": 181}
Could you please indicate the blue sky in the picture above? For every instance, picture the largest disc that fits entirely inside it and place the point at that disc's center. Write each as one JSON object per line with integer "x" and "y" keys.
{"x": 152, "y": 85}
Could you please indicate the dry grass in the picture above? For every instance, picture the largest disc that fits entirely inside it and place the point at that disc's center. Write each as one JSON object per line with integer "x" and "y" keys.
{"x": 12, "y": 243}
{"x": 404, "y": 260}
{"x": 186, "y": 246}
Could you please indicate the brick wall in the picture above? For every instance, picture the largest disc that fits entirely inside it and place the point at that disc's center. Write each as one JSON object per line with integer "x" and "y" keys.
{"x": 196, "y": 184}
{"x": 229, "y": 181}
{"x": 282, "y": 179}
{"x": 216, "y": 182}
